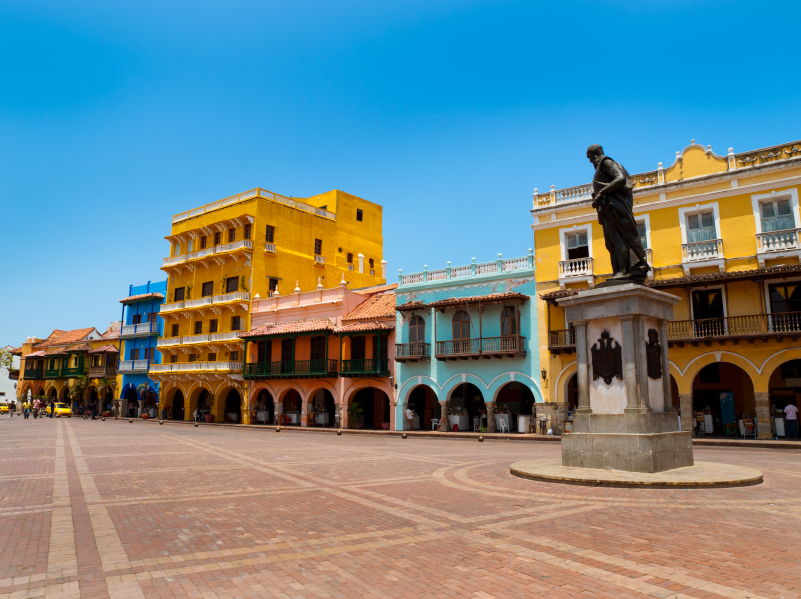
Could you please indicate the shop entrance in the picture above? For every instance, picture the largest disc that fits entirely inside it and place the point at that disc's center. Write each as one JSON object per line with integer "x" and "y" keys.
{"x": 264, "y": 410}
{"x": 322, "y": 408}
{"x": 233, "y": 407}
{"x": 131, "y": 404}
{"x": 465, "y": 404}
{"x": 292, "y": 405}
{"x": 369, "y": 409}
{"x": 723, "y": 394}
{"x": 178, "y": 405}
{"x": 516, "y": 399}
{"x": 423, "y": 402}
{"x": 784, "y": 389}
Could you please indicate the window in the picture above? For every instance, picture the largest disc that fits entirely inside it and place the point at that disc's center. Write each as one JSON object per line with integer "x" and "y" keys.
{"x": 189, "y": 246}
{"x": 134, "y": 354}
{"x": 212, "y": 357}
{"x": 359, "y": 214}
{"x": 577, "y": 245}
{"x": 776, "y": 215}
{"x": 236, "y": 323}
{"x": 148, "y": 353}
{"x": 318, "y": 247}
{"x": 234, "y": 356}
{"x": 193, "y": 357}
{"x": 273, "y": 284}
{"x": 701, "y": 227}
{"x": 357, "y": 348}
{"x": 246, "y": 234}
{"x": 270, "y": 236}
{"x": 198, "y": 327}
{"x": 372, "y": 264}
{"x": 96, "y": 360}
{"x": 176, "y": 249}
{"x": 417, "y": 329}
{"x": 785, "y": 297}
{"x": 380, "y": 341}
{"x": 207, "y": 289}
{"x": 461, "y": 325}
{"x": 642, "y": 234}
{"x": 287, "y": 350}
{"x": 203, "y": 243}
{"x": 231, "y": 235}
{"x": 175, "y": 332}
{"x": 153, "y": 316}
{"x": 213, "y": 325}
{"x": 264, "y": 351}
{"x": 173, "y": 359}
{"x": 509, "y": 321}
{"x": 231, "y": 284}
{"x": 178, "y": 294}
{"x": 318, "y": 348}
{"x": 217, "y": 238}
{"x": 350, "y": 258}
{"x": 707, "y": 304}
{"x": 137, "y": 319}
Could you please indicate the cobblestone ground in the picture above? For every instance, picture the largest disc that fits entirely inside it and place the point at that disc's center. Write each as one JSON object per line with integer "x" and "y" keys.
{"x": 112, "y": 509}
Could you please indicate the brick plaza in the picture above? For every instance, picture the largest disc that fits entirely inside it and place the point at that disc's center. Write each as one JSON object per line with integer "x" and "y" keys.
{"x": 112, "y": 509}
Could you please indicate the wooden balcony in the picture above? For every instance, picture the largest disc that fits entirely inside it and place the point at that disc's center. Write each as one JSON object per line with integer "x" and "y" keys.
{"x": 34, "y": 373}
{"x": 54, "y": 373}
{"x": 368, "y": 367}
{"x": 292, "y": 369}
{"x": 484, "y": 347}
{"x": 103, "y": 372}
{"x": 562, "y": 341}
{"x": 412, "y": 352}
{"x": 75, "y": 370}
{"x": 735, "y": 328}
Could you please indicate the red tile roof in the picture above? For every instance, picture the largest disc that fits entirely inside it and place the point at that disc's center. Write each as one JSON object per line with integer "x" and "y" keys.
{"x": 412, "y": 305}
{"x": 375, "y": 289}
{"x": 111, "y": 334}
{"x": 378, "y": 306}
{"x": 364, "y": 326}
{"x": 141, "y": 297}
{"x": 36, "y": 354}
{"x": 15, "y": 351}
{"x": 106, "y": 349}
{"x": 65, "y": 337}
{"x": 309, "y": 325}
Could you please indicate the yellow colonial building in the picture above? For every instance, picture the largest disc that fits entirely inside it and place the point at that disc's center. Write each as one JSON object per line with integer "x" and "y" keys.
{"x": 225, "y": 254}
{"x": 721, "y": 233}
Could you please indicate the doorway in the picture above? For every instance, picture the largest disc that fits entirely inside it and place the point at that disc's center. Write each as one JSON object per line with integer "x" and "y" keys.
{"x": 178, "y": 405}
{"x": 233, "y": 407}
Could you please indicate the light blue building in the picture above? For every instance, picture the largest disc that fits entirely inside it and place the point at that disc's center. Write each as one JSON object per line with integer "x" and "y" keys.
{"x": 138, "y": 347}
{"x": 466, "y": 342}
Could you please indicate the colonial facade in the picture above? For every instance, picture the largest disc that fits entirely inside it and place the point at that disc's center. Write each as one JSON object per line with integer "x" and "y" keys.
{"x": 139, "y": 336}
{"x": 223, "y": 254}
{"x": 322, "y": 358}
{"x": 722, "y": 234}
{"x": 467, "y": 342}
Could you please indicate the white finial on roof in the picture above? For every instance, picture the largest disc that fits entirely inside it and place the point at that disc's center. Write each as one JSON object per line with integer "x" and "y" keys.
{"x": 275, "y": 292}
{"x": 319, "y": 283}
{"x": 343, "y": 283}
{"x": 297, "y": 288}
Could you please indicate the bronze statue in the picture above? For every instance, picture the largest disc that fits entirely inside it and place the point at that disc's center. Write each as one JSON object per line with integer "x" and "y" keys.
{"x": 613, "y": 199}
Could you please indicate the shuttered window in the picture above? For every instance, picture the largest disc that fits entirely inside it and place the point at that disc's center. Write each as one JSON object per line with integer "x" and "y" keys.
{"x": 777, "y": 216}
{"x": 701, "y": 227}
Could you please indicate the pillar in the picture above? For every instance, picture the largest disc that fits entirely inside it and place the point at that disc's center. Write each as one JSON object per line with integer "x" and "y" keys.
{"x": 762, "y": 401}
{"x": 141, "y": 403}
{"x": 686, "y": 410}
{"x": 338, "y": 416}
{"x": 444, "y": 421}
{"x": 392, "y": 416}
{"x": 582, "y": 370}
{"x": 279, "y": 410}
{"x": 491, "y": 427}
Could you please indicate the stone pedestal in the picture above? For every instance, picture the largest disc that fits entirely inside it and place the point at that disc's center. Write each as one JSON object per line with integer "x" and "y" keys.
{"x": 625, "y": 419}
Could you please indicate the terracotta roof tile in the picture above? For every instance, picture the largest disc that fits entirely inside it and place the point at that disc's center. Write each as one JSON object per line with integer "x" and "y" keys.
{"x": 309, "y": 325}
{"x": 378, "y": 306}
{"x": 141, "y": 297}
{"x": 106, "y": 349}
{"x": 111, "y": 334}
{"x": 364, "y": 326}
{"x": 36, "y": 354}
{"x": 82, "y": 347}
{"x": 489, "y": 298}
{"x": 65, "y": 337}
{"x": 412, "y": 305}
{"x": 375, "y": 289}
{"x": 15, "y": 351}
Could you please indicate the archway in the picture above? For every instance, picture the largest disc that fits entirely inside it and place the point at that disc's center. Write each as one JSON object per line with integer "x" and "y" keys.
{"x": 130, "y": 405}
{"x": 784, "y": 388}
{"x": 64, "y": 394}
{"x": 264, "y": 410}
{"x": 466, "y": 403}
{"x": 369, "y": 409}
{"x": 53, "y": 393}
{"x": 674, "y": 394}
{"x": 202, "y": 404}
{"x": 571, "y": 393}
{"x": 177, "y": 409}
{"x": 423, "y": 402}
{"x": 723, "y": 393}
{"x": 292, "y": 407}
{"x": 233, "y": 407}
{"x": 516, "y": 399}
{"x": 322, "y": 407}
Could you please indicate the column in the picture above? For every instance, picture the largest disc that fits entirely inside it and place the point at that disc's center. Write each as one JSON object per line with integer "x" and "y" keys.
{"x": 582, "y": 368}
{"x": 338, "y": 416}
{"x": 279, "y": 410}
{"x": 641, "y": 360}
{"x": 491, "y": 428}
{"x": 141, "y": 403}
{"x": 686, "y": 408}
{"x": 392, "y": 416}
{"x": 762, "y": 401}
{"x": 305, "y": 408}
{"x": 444, "y": 421}
{"x": 663, "y": 341}
{"x": 629, "y": 363}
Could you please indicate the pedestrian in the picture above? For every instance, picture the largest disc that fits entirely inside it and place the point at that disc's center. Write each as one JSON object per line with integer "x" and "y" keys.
{"x": 409, "y": 417}
{"x": 477, "y": 421}
{"x": 51, "y": 408}
{"x": 791, "y": 417}
{"x": 26, "y": 408}
{"x": 12, "y": 407}
{"x": 195, "y": 415}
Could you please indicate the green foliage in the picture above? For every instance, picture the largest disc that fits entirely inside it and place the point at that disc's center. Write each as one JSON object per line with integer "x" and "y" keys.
{"x": 355, "y": 409}
{"x": 6, "y": 360}
{"x": 80, "y": 387}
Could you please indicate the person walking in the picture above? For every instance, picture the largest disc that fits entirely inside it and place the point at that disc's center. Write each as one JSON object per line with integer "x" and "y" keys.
{"x": 51, "y": 409}
{"x": 37, "y": 405}
{"x": 791, "y": 418}
{"x": 26, "y": 408}
{"x": 12, "y": 407}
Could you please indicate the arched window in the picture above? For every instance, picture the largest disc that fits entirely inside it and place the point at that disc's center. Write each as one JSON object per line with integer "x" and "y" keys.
{"x": 461, "y": 325}
{"x": 417, "y": 330}
{"x": 509, "y": 321}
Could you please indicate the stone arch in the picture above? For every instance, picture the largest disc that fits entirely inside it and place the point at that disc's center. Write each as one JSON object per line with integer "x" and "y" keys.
{"x": 25, "y": 388}
{"x": 563, "y": 379}
{"x": 726, "y": 376}
{"x": 129, "y": 401}
{"x": 191, "y": 400}
{"x": 784, "y": 389}
{"x": 257, "y": 388}
{"x": 423, "y": 400}
{"x": 504, "y": 379}
{"x": 697, "y": 363}
{"x": 410, "y": 384}
{"x": 464, "y": 377}
{"x": 175, "y": 403}
{"x": 39, "y": 390}
{"x": 63, "y": 394}
{"x": 775, "y": 361}
{"x": 262, "y": 396}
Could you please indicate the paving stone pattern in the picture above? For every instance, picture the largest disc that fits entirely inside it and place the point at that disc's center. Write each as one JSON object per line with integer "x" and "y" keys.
{"x": 112, "y": 509}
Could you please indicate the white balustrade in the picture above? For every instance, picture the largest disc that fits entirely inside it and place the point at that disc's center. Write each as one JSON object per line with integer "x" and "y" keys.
{"x": 575, "y": 268}
{"x": 201, "y": 253}
{"x": 702, "y": 250}
{"x": 168, "y": 341}
{"x": 415, "y": 278}
{"x": 319, "y": 259}
{"x": 514, "y": 264}
{"x": 258, "y": 192}
{"x": 461, "y": 271}
{"x": 171, "y": 307}
{"x": 775, "y": 241}
{"x": 194, "y": 366}
{"x": 133, "y": 365}
{"x": 235, "y": 245}
{"x": 236, "y": 296}
{"x": 143, "y": 328}
{"x": 486, "y": 267}
{"x": 230, "y": 336}
{"x": 174, "y": 260}
{"x": 574, "y": 194}
{"x": 196, "y": 303}
{"x": 269, "y": 247}
{"x": 196, "y": 339}
{"x": 437, "y": 275}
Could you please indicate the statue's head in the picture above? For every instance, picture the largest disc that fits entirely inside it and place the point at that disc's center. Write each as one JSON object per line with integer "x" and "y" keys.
{"x": 595, "y": 153}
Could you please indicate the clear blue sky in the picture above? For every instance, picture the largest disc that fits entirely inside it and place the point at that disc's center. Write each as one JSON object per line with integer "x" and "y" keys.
{"x": 116, "y": 115}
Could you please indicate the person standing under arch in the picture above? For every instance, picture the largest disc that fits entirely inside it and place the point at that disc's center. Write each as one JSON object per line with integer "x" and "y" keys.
{"x": 791, "y": 418}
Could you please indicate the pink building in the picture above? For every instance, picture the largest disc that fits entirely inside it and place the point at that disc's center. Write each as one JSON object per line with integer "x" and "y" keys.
{"x": 322, "y": 358}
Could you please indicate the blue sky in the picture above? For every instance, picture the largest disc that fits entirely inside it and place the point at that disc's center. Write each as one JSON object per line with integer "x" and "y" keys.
{"x": 115, "y": 115}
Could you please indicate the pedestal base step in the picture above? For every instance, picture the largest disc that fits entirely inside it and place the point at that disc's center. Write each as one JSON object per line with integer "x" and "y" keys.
{"x": 702, "y": 474}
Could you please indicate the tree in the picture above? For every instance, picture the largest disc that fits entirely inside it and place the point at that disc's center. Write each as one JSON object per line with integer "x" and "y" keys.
{"x": 104, "y": 386}
{"x": 80, "y": 387}
{"x": 6, "y": 360}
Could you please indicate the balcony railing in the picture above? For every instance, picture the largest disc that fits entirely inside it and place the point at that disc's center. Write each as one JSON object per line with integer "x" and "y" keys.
{"x": 75, "y": 370}
{"x": 143, "y": 328}
{"x": 365, "y": 367}
{"x": 319, "y": 260}
{"x": 757, "y": 325}
{"x": 171, "y": 307}
{"x": 196, "y": 339}
{"x": 172, "y": 261}
{"x": 196, "y": 303}
{"x": 193, "y": 366}
{"x": 236, "y": 296}
{"x": 777, "y": 241}
{"x": 33, "y": 373}
{"x": 485, "y": 346}
{"x": 201, "y": 253}
{"x": 229, "y": 336}
{"x": 269, "y": 247}
{"x": 169, "y": 341}
{"x": 103, "y": 371}
{"x": 245, "y": 244}
{"x": 471, "y": 270}
{"x": 292, "y": 369}
{"x": 53, "y": 373}
{"x": 561, "y": 339}
{"x": 127, "y": 366}
{"x": 698, "y": 251}
{"x": 578, "y": 267}
{"x": 412, "y": 352}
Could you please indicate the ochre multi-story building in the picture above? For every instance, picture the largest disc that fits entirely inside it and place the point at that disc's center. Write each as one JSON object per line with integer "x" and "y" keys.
{"x": 722, "y": 234}
{"x": 244, "y": 247}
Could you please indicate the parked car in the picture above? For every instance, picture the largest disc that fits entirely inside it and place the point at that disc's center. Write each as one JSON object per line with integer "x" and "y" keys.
{"x": 63, "y": 409}
{"x": 3, "y": 408}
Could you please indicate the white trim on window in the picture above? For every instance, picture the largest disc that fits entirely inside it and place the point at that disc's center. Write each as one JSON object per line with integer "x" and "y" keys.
{"x": 585, "y": 273}
{"x": 574, "y": 229}
{"x": 689, "y": 263}
{"x": 646, "y": 218}
{"x": 721, "y": 288}
{"x": 766, "y": 285}
{"x": 763, "y": 252}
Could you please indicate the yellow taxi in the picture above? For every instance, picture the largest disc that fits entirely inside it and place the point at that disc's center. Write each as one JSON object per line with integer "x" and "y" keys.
{"x": 3, "y": 408}
{"x": 63, "y": 409}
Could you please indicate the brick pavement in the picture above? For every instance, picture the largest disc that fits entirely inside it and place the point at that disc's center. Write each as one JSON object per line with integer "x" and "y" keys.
{"x": 112, "y": 509}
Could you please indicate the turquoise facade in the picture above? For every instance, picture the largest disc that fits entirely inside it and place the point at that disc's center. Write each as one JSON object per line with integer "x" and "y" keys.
{"x": 502, "y": 364}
